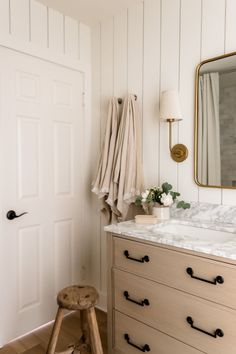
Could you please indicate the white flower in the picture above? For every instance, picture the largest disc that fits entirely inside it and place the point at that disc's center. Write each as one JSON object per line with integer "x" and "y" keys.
{"x": 166, "y": 199}
{"x": 145, "y": 195}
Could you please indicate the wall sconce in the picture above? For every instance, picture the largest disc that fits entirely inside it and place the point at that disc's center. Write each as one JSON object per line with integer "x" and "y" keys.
{"x": 170, "y": 112}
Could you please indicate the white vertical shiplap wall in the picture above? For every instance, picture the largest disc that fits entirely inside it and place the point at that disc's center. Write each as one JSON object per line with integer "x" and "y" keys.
{"x": 190, "y": 54}
{"x": 212, "y": 44}
{"x": 147, "y": 49}
{"x": 35, "y": 29}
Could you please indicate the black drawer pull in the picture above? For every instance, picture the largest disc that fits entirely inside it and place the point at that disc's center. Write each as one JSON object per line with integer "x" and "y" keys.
{"x": 140, "y": 303}
{"x": 142, "y": 260}
{"x": 143, "y": 349}
{"x": 218, "y": 332}
{"x": 218, "y": 280}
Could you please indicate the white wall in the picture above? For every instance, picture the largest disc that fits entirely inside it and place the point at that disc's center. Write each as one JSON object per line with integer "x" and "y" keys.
{"x": 144, "y": 50}
{"x": 30, "y": 27}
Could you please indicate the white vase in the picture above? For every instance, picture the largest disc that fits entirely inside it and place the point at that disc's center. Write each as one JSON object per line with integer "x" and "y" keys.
{"x": 161, "y": 212}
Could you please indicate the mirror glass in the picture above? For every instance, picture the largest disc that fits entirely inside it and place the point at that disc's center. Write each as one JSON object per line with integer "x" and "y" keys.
{"x": 215, "y": 122}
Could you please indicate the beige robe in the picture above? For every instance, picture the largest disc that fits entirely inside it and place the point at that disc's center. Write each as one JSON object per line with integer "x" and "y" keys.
{"x": 101, "y": 185}
{"x": 127, "y": 174}
{"x": 119, "y": 178}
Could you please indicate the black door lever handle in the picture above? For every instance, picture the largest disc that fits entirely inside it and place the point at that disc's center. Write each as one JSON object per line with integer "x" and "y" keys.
{"x": 11, "y": 215}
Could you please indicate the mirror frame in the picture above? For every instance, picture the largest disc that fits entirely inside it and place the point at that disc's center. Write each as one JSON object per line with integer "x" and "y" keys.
{"x": 196, "y": 120}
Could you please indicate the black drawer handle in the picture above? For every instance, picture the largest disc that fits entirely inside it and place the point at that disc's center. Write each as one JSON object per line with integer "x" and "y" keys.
{"x": 218, "y": 332}
{"x": 218, "y": 280}
{"x": 140, "y": 303}
{"x": 143, "y": 349}
{"x": 142, "y": 260}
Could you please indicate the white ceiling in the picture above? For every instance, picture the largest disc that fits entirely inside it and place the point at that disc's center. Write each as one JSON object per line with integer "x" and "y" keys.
{"x": 90, "y": 12}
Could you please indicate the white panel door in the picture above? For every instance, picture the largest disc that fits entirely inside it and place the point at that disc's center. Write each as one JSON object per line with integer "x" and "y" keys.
{"x": 41, "y": 140}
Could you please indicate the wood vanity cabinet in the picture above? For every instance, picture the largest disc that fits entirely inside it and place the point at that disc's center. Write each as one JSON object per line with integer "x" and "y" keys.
{"x": 166, "y": 300}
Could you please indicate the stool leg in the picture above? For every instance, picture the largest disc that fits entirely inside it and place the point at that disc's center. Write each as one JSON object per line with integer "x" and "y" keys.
{"x": 55, "y": 332}
{"x": 94, "y": 332}
{"x": 84, "y": 327}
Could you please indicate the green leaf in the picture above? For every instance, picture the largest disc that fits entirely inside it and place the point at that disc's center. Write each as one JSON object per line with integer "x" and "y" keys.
{"x": 138, "y": 200}
{"x": 166, "y": 187}
{"x": 183, "y": 205}
{"x": 174, "y": 195}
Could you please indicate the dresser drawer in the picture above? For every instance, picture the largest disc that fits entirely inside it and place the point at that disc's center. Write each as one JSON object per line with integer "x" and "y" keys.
{"x": 167, "y": 309}
{"x": 139, "y": 334}
{"x": 170, "y": 268}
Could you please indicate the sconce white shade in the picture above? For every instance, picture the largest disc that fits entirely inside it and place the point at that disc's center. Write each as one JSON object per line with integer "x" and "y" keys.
{"x": 170, "y": 105}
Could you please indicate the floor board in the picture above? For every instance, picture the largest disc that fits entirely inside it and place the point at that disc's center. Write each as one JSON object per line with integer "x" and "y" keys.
{"x": 36, "y": 342}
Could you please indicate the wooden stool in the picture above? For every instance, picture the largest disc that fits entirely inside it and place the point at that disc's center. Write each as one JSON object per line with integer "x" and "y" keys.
{"x": 82, "y": 298}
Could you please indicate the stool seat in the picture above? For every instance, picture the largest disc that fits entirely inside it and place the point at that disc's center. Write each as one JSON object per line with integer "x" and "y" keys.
{"x": 77, "y": 297}
{"x": 81, "y": 298}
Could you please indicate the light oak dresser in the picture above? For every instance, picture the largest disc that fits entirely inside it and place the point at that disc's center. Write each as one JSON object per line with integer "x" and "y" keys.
{"x": 168, "y": 300}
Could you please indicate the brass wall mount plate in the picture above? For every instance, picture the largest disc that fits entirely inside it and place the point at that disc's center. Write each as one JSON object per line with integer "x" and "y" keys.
{"x": 179, "y": 152}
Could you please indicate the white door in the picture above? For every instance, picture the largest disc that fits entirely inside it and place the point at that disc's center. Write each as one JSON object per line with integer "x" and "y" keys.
{"x": 41, "y": 116}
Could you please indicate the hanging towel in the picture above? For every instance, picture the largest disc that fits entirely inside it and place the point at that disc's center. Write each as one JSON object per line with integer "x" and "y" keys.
{"x": 101, "y": 184}
{"x": 127, "y": 174}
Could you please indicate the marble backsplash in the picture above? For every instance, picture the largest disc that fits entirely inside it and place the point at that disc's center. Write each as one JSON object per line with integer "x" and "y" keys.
{"x": 206, "y": 212}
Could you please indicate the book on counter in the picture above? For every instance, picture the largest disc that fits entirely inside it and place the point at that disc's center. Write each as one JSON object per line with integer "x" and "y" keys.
{"x": 146, "y": 219}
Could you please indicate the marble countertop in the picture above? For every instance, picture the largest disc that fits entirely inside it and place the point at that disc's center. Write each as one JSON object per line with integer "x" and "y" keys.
{"x": 153, "y": 233}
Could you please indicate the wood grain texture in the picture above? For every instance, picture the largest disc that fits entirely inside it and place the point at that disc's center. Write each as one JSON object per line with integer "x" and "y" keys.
{"x": 169, "y": 267}
{"x": 141, "y": 334}
{"x": 173, "y": 307}
{"x": 36, "y": 342}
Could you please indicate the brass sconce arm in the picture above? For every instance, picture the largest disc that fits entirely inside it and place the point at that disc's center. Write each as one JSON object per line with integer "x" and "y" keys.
{"x": 179, "y": 152}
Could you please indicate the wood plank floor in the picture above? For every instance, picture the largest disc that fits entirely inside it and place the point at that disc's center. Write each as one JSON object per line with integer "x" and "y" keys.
{"x": 36, "y": 342}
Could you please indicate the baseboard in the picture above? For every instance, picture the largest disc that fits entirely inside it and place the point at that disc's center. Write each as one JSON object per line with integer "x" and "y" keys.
{"x": 102, "y": 305}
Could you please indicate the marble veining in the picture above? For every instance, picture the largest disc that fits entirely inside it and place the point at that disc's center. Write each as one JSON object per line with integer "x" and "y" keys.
{"x": 204, "y": 215}
{"x": 206, "y": 212}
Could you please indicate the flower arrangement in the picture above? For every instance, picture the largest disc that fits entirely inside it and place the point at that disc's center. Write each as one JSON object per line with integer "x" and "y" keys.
{"x": 161, "y": 195}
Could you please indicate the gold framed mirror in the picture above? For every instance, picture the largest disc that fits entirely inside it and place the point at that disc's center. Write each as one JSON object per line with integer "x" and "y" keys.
{"x": 215, "y": 122}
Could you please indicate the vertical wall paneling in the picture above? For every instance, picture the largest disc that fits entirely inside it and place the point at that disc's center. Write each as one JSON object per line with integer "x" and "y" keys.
{"x": 213, "y": 44}
{"x": 106, "y": 93}
{"x": 84, "y": 39}
{"x": 230, "y": 26}
{"x": 71, "y": 37}
{"x": 135, "y": 51}
{"x": 228, "y": 195}
{"x": 106, "y": 70}
{"x": 95, "y": 142}
{"x": 39, "y": 30}
{"x": 190, "y": 47}
{"x": 151, "y": 80}
{"x": 20, "y": 19}
{"x": 56, "y": 31}
{"x": 213, "y": 28}
{"x": 4, "y": 18}
{"x": 120, "y": 54}
{"x": 169, "y": 80}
